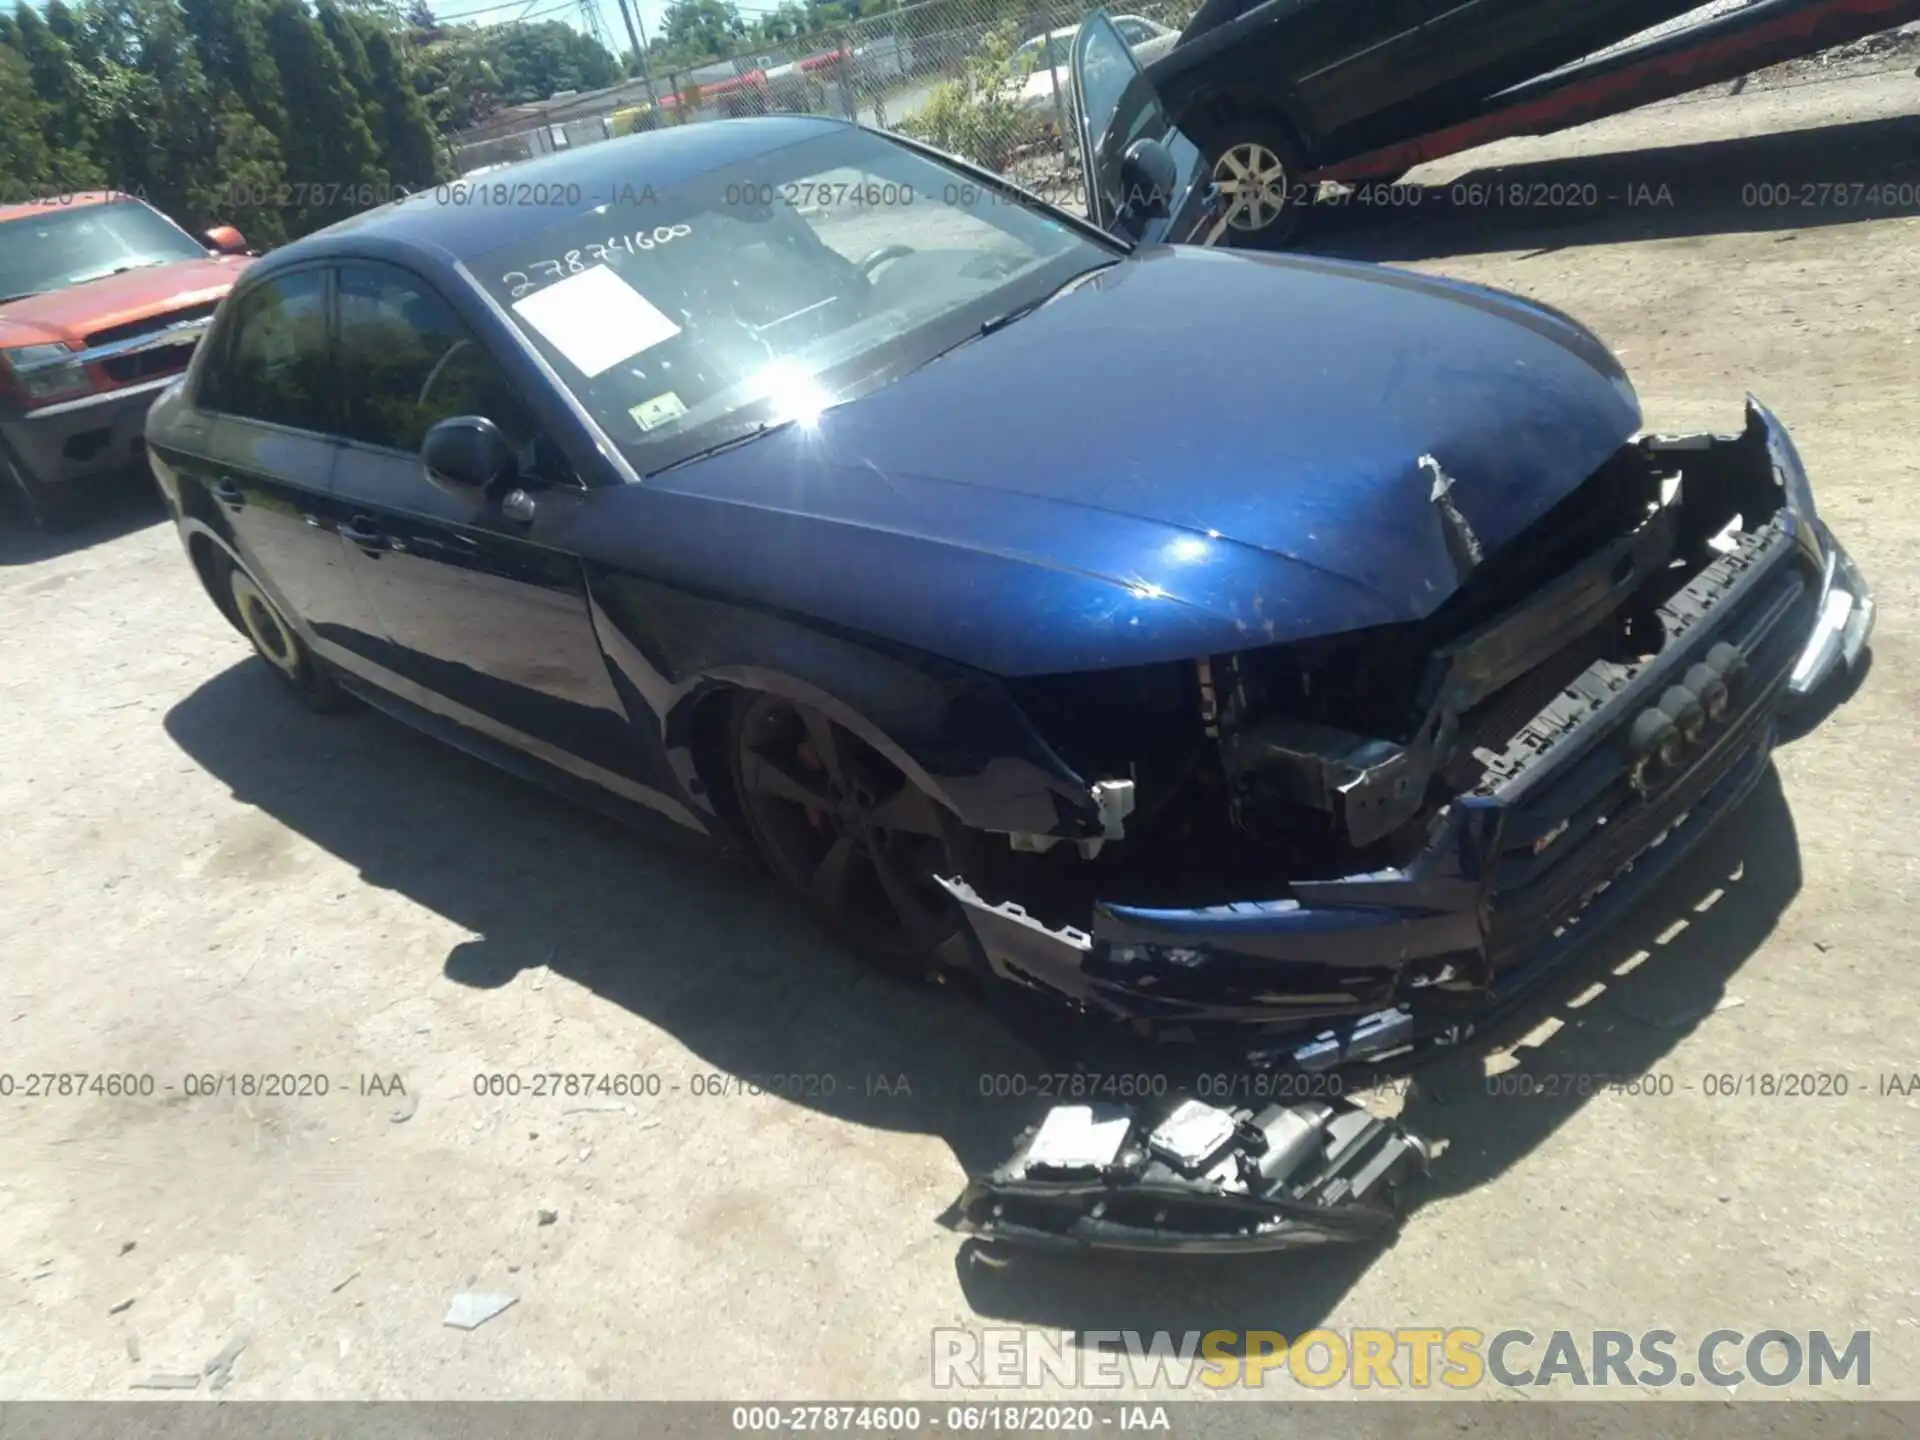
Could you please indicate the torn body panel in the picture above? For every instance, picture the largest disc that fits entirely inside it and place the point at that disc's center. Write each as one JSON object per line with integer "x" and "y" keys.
{"x": 1568, "y": 746}
{"x": 955, "y": 733}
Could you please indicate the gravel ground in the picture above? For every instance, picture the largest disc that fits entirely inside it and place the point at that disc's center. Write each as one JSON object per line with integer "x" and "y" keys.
{"x": 201, "y": 879}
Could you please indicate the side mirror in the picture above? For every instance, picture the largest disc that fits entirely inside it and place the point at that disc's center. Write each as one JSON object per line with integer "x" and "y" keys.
{"x": 1147, "y": 178}
{"x": 225, "y": 240}
{"x": 468, "y": 456}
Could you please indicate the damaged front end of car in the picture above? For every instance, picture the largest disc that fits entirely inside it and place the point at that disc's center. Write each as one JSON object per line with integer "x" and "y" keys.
{"x": 1305, "y": 856}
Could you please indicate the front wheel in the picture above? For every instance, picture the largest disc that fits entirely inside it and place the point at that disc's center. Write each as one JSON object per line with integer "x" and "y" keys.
{"x": 276, "y": 643}
{"x": 1257, "y": 167}
{"x": 50, "y": 509}
{"x": 841, "y": 826}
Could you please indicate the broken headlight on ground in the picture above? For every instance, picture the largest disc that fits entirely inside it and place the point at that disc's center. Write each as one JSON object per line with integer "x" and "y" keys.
{"x": 1183, "y": 1175}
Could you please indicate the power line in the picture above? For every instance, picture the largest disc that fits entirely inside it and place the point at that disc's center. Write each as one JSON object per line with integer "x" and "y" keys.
{"x": 521, "y": 5}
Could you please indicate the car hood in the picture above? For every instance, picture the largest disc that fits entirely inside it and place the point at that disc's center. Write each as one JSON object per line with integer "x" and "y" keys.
{"x": 114, "y": 300}
{"x": 1192, "y": 453}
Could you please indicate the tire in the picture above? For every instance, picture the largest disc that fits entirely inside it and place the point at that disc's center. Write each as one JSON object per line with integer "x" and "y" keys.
{"x": 1256, "y": 163}
{"x": 50, "y": 509}
{"x": 277, "y": 643}
{"x": 841, "y": 827}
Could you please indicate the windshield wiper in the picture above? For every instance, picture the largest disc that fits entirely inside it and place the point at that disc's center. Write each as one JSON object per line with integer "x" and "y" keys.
{"x": 23, "y": 295}
{"x": 732, "y": 442}
{"x": 1019, "y": 312}
{"x": 1023, "y": 309}
{"x": 117, "y": 270}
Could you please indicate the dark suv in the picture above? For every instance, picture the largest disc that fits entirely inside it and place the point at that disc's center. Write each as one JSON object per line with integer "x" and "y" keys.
{"x": 1273, "y": 90}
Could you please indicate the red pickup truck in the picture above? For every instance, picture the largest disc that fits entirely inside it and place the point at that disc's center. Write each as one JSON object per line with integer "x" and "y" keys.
{"x": 102, "y": 299}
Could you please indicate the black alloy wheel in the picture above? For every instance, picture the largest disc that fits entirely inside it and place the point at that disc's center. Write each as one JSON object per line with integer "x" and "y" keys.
{"x": 840, "y": 825}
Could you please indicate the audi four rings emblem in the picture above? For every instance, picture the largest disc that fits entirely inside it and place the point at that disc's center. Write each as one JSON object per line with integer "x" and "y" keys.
{"x": 1666, "y": 732}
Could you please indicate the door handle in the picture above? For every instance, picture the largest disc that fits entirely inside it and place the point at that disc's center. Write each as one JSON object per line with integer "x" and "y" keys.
{"x": 362, "y": 532}
{"x": 228, "y": 493}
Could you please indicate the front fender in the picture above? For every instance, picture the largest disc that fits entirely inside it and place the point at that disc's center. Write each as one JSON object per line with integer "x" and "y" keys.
{"x": 955, "y": 732}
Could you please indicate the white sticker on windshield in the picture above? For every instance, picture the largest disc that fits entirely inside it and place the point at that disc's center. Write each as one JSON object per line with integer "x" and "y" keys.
{"x": 596, "y": 320}
{"x": 651, "y": 414}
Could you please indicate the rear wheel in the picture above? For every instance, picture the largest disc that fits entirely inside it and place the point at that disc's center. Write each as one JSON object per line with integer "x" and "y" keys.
{"x": 840, "y": 825}
{"x": 1256, "y": 163}
{"x": 275, "y": 641}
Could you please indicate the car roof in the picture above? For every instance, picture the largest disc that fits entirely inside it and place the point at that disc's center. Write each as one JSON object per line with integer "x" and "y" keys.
{"x": 519, "y": 199}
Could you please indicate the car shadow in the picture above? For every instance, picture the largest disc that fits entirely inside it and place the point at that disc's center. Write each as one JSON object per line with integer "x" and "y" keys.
{"x": 115, "y": 506}
{"x": 706, "y": 949}
{"x": 1678, "y": 951}
{"x": 1787, "y": 181}
{"x": 651, "y": 917}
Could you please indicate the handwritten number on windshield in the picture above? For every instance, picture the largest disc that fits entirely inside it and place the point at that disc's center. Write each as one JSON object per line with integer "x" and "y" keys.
{"x": 544, "y": 272}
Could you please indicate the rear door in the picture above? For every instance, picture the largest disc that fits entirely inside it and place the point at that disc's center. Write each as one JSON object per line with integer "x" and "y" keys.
{"x": 483, "y": 602}
{"x": 267, "y": 451}
{"x": 1116, "y": 110}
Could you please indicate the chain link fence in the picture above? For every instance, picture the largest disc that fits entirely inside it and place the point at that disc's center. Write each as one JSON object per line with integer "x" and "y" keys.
{"x": 983, "y": 79}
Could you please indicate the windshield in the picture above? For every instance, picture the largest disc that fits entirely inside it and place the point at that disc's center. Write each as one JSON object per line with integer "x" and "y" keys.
{"x": 70, "y": 244}
{"x": 1049, "y": 52}
{"x": 772, "y": 290}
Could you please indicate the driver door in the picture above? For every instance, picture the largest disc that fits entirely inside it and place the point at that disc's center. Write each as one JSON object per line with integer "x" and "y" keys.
{"x": 1116, "y": 109}
{"x": 483, "y": 604}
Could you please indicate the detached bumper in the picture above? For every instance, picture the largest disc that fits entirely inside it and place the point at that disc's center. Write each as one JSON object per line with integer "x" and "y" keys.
{"x": 78, "y": 439}
{"x": 1568, "y": 831}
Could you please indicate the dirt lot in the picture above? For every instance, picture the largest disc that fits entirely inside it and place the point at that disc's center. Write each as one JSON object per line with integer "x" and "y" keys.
{"x": 200, "y": 878}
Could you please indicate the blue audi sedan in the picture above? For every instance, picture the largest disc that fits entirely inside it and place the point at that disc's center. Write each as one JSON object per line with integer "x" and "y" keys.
{"x": 1262, "y": 652}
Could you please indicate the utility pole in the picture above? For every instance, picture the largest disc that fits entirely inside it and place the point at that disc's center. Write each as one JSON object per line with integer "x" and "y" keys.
{"x": 637, "y": 33}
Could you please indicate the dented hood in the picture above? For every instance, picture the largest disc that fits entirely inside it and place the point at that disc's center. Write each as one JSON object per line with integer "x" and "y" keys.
{"x": 1193, "y": 452}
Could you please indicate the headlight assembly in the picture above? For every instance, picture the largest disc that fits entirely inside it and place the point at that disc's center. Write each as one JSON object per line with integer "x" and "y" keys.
{"x": 45, "y": 372}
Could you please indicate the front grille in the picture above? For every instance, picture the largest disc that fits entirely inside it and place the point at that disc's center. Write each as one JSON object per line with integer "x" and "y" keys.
{"x": 133, "y": 329}
{"x": 163, "y": 359}
{"x": 1571, "y": 818}
{"x": 149, "y": 364}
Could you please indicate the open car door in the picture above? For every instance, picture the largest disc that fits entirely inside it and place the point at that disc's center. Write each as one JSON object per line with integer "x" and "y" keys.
{"x": 1146, "y": 182}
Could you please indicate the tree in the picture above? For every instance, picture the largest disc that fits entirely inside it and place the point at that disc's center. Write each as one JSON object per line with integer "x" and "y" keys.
{"x": 67, "y": 104}
{"x": 224, "y": 111}
{"x": 231, "y": 38}
{"x": 247, "y": 178}
{"x": 402, "y": 130}
{"x": 458, "y": 82}
{"x": 778, "y": 27}
{"x": 345, "y": 40}
{"x": 534, "y": 62}
{"x": 24, "y": 159}
{"x": 702, "y": 28}
{"x": 330, "y": 152}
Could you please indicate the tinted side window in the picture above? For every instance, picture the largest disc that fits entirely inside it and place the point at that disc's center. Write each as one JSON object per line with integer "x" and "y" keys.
{"x": 407, "y": 362}
{"x": 274, "y": 364}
